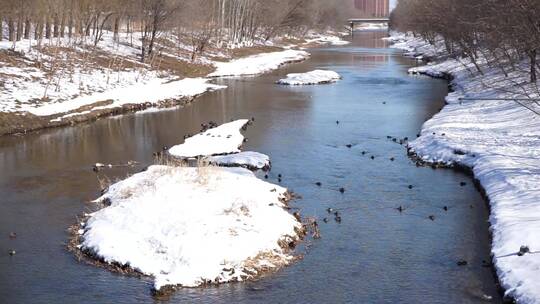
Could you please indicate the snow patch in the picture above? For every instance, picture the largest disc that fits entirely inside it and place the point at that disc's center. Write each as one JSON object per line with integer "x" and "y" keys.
{"x": 225, "y": 139}
{"x": 310, "y": 78}
{"x": 250, "y": 160}
{"x": 258, "y": 64}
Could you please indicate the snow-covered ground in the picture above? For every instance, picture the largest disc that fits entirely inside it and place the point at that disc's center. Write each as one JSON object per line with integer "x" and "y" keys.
{"x": 257, "y": 64}
{"x": 500, "y": 141}
{"x": 191, "y": 226}
{"x": 225, "y": 139}
{"x": 310, "y": 78}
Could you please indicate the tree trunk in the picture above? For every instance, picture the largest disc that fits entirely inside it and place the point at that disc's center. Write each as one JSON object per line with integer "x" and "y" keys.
{"x": 63, "y": 25}
{"x": 27, "y": 28}
{"x": 116, "y": 28}
{"x": 56, "y": 26}
{"x": 70, "y": 26}
{"x": 11, "y": 29}
{"x": 532, "y": 57}
{"x": 47, "y": 28}
{"x": 20, "y": 29}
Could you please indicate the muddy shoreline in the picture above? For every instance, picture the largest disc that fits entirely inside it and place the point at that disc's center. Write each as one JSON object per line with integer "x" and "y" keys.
{"x": 18, "y": 124}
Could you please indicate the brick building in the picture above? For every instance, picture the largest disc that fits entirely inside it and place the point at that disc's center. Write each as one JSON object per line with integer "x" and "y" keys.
{"x": 372, "y": 8}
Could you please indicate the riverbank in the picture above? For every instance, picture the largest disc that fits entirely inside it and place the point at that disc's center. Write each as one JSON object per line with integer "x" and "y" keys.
{"x": 497, "y": 137}
{"x": 61, "y": 84}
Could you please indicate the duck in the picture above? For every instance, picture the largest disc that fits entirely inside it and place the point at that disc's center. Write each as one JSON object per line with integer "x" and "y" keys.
{"x": 12, "y": 252}
{"x": 338, "y": 219}
{"x": 13, "y": 235}
{"x": 462, "y": 263}
{"x": 342, "y": 190}
{"x": 400, "y": 209}
{"x": 523, "y": 250}
{"x": 445, "y": 208}
{"x": 329, "y": 210}
{"x": 431, "y": 217}
{"x": 392, "y": 159}
{"x": 318, "y": 184}
{"x": 463, "y": 184}
{"x": 348, "y": 146}
{"x": 411, "y": 186}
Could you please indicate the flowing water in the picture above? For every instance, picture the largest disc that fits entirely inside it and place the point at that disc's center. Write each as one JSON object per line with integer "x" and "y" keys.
{"x": 376, "y": 255}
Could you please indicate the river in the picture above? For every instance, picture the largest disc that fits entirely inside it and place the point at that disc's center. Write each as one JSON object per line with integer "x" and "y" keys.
{"x": 375, "y": 255}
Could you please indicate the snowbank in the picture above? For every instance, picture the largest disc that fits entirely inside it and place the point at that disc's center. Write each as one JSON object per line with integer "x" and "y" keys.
{"x": 153, "y": 92}
{"x": 250, "y": 160}
{"x": 257, "y": 64}
{"x": 192, "y": 226}
{"x": 310, "y": 78}
{"x": 499, "y": 140}
{"x": 225, "y": 139}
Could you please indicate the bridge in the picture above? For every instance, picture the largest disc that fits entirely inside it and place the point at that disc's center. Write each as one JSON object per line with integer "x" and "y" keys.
{"x": 354, "y": 21}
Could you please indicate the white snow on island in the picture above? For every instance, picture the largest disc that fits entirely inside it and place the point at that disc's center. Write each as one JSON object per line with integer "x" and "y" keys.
{"x": 500, "y": 141}
{"x": 258, "y": 64}
{"x": 250, "y": 160}
{"x": 310, "y": 78}
{"x": 193, "y": 226}
{"x": 225, "y": 139}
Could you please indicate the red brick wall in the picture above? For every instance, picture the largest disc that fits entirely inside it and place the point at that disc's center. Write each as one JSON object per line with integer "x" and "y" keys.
{"x": 372, "y": 8}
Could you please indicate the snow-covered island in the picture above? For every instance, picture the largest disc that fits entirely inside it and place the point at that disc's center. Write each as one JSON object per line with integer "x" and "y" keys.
{"x": 310, "y": 78}
{"x": 483, "y": 128}
{"x": 225, "y": 139}
{"x": 192, "y": 226}
{"x": 248, "y": 159}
